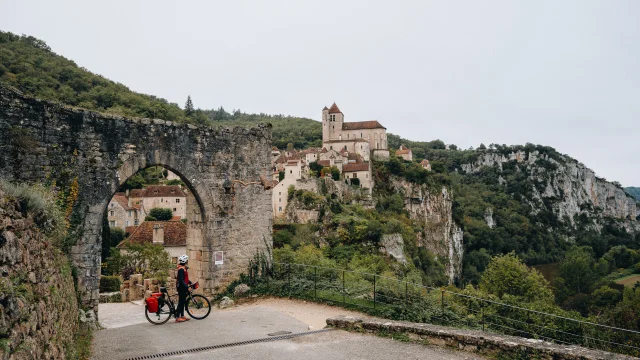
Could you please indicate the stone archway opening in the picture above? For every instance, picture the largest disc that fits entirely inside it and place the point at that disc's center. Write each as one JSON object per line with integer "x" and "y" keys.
{"x": 129, "y": 219}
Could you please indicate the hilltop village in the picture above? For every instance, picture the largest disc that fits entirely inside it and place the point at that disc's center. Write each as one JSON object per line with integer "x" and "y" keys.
{"x": 346, "y": 154}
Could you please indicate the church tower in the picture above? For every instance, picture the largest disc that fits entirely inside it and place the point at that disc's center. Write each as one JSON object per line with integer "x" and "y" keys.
{"x": 334, "y": 123}
{"x": 325, "y": 124}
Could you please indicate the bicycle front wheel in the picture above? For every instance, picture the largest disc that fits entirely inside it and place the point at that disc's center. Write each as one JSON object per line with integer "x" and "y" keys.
{"x": 162, "y": 316}
{"x": 198, "y": 307}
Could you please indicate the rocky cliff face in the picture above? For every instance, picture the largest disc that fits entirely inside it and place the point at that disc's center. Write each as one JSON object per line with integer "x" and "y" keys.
{"x": 440, "y": 235}
{"x": 573, "y": 188}
{"x": 38, "y": 307}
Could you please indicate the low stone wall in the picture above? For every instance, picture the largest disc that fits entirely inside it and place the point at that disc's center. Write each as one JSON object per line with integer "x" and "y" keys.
{"x": 473, "y": 340}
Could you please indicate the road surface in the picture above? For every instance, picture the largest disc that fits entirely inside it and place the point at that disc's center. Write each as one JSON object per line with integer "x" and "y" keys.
{"x": 129, "y": 335}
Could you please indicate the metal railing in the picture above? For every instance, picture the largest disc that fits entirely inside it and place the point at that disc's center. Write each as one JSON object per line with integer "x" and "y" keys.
{"x": 403, "y": 300}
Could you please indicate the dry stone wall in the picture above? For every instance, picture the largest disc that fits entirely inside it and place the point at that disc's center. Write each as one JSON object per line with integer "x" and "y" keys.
{"x": 38, "y": 306}
{"x": 88, "y": 155}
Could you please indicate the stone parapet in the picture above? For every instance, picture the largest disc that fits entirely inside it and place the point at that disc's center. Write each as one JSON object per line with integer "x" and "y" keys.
{"x": 474, "y": 340}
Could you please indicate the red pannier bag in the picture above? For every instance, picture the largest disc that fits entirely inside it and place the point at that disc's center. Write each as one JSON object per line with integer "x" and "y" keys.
{"x": 152, "y": 302}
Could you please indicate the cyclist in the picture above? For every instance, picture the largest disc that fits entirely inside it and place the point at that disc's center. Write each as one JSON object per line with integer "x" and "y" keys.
{"x": 183, "y": 288}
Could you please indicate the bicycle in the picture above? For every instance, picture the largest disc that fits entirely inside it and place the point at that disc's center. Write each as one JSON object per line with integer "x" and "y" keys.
{"x": 197, "y": 306}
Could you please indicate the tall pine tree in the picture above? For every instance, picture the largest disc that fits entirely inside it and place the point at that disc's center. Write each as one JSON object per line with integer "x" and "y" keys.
{"x": 188, "y": 107}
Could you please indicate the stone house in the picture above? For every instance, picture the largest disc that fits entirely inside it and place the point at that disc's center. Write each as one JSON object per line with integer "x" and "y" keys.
{"x": 425, "y": 164}
{"x": 172, "y": 235}
{"x": 405, "y": 153}
{"x": 360, "y": 171}
{"x": 167, "y": 197}
{"x": 121, "y": 212}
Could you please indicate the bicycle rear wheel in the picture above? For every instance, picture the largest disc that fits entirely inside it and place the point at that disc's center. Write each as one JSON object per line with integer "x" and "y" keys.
{"x": 198, "y": 307}
{"x": 162, "y": 316}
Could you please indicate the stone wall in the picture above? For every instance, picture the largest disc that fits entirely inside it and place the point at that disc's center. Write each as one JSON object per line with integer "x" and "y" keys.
{"x": 88, "y": 155}
{"x": 38, "y": 306}
{"x": 493, "y": 345}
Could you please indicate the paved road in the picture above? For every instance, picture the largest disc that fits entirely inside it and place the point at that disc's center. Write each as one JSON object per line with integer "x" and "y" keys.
{"x": 250, "y": 323}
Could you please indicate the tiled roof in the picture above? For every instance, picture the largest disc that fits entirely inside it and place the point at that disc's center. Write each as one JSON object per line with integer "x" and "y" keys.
{"x": 334, "y": 109}
{"x": 282, "y": 159}
{"x": 122, "y": 201}
{"x": 292, "y": 162}
{"x": 175, "y": 234}
{"x": 355, "y": 167}
{"x": 362, "y": 125}
{"x": 424, "y": 162}
{"x": 130, "y": 229}
{"x": 164, "y": 191}
{"x": 324, "y": 163}
{"x": 325, "y": 108}
{"x": 136, "y": 193}
{"x": 403, "y": 152}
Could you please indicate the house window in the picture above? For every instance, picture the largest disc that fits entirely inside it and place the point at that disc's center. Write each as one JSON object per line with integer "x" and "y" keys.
{"x": 174, "y": 209}
{"x": 280, "y": 209}
{"x": 112, "y": 223}
{"x": 129, "y": 213}
{"x": 135, "y": 222}
{"x": 111, "y": 213}
{"x": 177, "y": 201}
{"x": 280, "y": 193}
{"x": 161, "y": 200}
{"x": 347, "y": 136}
{"x": 127, "y": 222}
{"x": 361, "y": 135}
{"x": 355, "y": 175}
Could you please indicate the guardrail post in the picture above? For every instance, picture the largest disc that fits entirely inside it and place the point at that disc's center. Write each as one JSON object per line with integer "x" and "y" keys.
{"x": 374, "y": 291}
{"x": 289, "y": 278}
{"x": 343, "y": 302}
{"x": 406, "y": 293}
{"x": 315, "y": 284}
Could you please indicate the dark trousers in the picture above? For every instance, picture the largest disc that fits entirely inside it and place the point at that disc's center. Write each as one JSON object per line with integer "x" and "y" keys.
{"x": 182, "y": 299}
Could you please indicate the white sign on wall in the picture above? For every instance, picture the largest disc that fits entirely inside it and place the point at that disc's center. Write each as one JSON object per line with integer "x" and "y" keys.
{"x": 218, "y": 257}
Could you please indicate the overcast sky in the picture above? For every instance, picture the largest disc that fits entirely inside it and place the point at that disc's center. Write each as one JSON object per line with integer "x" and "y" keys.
{"x": 559, "y": 73}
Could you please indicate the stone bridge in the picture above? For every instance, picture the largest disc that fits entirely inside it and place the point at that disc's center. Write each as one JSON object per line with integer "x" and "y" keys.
{"x": 86, "y": 156}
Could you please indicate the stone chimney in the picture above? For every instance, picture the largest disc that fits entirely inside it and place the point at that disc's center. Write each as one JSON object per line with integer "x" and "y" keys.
{"x": 158, "y": 234}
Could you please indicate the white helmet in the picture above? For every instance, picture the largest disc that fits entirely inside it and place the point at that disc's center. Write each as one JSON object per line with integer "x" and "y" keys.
{"x": 183, "y": 259}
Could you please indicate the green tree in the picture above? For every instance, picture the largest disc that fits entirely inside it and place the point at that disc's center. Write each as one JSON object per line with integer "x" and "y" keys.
{"x": 188, "y": 107}
{"x": 147, "y": 259}
{"x": 508, "y": 275}
{"x": 161, "y": 214}
{"x": 576, "y": 273}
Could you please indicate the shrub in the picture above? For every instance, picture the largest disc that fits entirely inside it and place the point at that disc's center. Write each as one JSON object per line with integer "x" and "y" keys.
{"x": 109, "y": 283}
{"x": 161, "y": 214}
{"x": 41, "y": 204}
{"x": 175, "y": 182}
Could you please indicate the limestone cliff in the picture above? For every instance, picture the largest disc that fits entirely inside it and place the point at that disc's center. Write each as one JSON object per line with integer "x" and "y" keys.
{"x": 434, "y": 210}
{"x": 38, "y": 307}
{"x": 571, "y": 187}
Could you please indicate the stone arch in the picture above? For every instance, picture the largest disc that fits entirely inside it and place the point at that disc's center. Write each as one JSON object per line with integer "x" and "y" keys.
{"x": 95, "y": 153}
{"x": 196, "y": 217}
